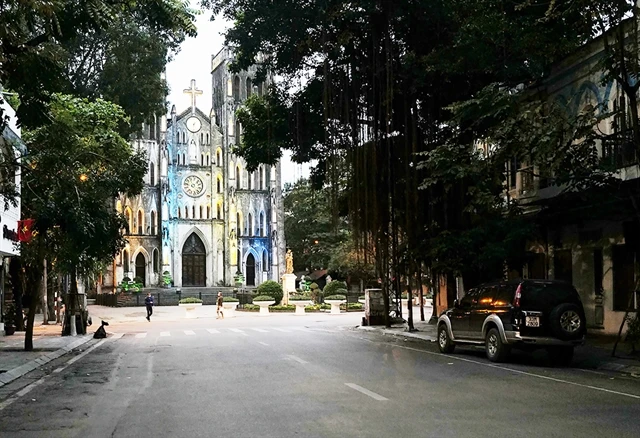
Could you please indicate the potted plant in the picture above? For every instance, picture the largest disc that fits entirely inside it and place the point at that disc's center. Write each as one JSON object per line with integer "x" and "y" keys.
{"x": 229, "y": 304}
{"x": 9, "y": 319}
{"x": 300, "y": 300}
{"x": 335, "y": 301}
{"x": 264, "y": 301}
{"x": 190, "y": 304}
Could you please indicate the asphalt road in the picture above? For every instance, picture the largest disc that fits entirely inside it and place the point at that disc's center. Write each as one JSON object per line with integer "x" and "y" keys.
{"x": 312, "y": 376}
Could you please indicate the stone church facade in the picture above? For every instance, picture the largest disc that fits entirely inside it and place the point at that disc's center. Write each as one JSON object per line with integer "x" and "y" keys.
{"x": 202, "y": 216}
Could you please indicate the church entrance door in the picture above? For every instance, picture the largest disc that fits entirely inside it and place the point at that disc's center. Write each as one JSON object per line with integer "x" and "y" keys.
{"x": 141, "y": 268}
{"x": 251, "y": 270}
{"x": 194, "y": 259}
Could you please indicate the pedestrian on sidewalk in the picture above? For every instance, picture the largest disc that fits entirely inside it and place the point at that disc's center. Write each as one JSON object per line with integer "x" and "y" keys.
{"x": 219, "y": 309}
{"x": 149, "y": 303}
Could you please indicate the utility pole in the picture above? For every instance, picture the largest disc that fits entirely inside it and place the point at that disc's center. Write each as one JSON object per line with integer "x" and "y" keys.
{"x": 45, "y": 307}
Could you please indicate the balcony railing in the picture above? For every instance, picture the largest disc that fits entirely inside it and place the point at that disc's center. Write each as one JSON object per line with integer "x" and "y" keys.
{"x": 618, "y": 150}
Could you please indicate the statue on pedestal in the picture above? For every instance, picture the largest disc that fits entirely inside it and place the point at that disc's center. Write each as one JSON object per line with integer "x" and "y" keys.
{"x": 289, "y": 260}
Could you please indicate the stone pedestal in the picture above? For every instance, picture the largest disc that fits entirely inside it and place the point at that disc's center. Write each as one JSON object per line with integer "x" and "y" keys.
{"x": 288, "y": 286}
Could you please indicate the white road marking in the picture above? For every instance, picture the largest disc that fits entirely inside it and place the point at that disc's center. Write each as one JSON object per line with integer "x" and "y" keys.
{"x": 165, "y": 334}
{"x": 214, "y": 331}
{"x": 266, "y": 345}
{"x": 235, "y": 330}
{"x": 189, "y": 332}
{"x": 117, "y": 335}
{"x": 524, "y": 373}
{"x": 297, "y": 359}
{"x": 365, "y": 391}
{"x": 282, "y": 330}
{"x": 260, "y": 330}
{"x": 141, "y": 335}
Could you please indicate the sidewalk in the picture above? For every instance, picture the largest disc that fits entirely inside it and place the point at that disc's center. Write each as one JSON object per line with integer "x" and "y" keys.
{"x": 595, "y": 354}
{"x": 48, "y": 345}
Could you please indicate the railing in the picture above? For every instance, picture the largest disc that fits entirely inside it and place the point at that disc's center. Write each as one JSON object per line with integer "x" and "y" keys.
{"x": 619, "y": 150}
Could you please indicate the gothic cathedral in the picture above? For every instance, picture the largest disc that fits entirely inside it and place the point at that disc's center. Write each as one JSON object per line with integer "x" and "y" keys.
{"x": 202, "y": 217}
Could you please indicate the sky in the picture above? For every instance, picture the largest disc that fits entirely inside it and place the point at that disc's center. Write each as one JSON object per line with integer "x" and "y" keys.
{"x": 193, "y": 62}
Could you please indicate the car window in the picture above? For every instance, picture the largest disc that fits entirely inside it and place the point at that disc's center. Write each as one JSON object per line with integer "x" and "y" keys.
{"x": 486, "y": 296}
{"x": 468, "y": 298}
{"x": 538, "y": 293}
{"x": 504, "y": 295}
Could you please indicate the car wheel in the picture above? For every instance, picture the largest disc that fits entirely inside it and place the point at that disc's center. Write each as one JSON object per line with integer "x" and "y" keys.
{"x": 497, "y": 351}
{"x": 560, "y": 356}
{"x": 567, "y": 322}
{"x": 445, "y": 343}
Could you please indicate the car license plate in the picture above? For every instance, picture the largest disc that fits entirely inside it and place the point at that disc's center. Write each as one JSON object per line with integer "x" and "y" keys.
{"x": 532, "y": 321}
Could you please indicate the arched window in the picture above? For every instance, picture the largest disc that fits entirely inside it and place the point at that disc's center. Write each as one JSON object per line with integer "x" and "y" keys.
{"x": 127, "y": 214}
{"x": 193, "y": 211}
{"x": 178, "y": 160}
{"x": 219, "y": 211}
{"x": 219, "y": 184}
{"x": 256, "y": 184}
{"x": 152, "y": 174}
{"x": 202, "y": 159}
{"x": 238, "y": 181}
{"x": 201, "y": 138}
{"x": 239, "y": 257}
{"x": 248, "y": 87}
{"x": 261, "y": 224}
{"x": 236, "y": 88}
{"x": 186, "y": 212}
{"x": 208, "y": 212}
{"x": 250, "y": 181}
{"x": 246, "y": 179}
{"x": 265, "y": 261}
{"x": 239, "y": 224}
{"x": 184, "y": 137}
{"x": 208, "y": 159}
{"x": 184, "y": 159}
{"x": 208, "y": 142}
{"x": 155, "y": 260}
{"x": 238, "y": 131}
{"x": 249, "y": 225}
{"x": 261, "y": 177}
{"x": 140, "y": 221}
{"x": 219, "y": 157}
{"x": 125, "y": 261}
{"x": 179, "y": 212}
{"x": 201, "y": 210}
{"x": 153, "y": 223}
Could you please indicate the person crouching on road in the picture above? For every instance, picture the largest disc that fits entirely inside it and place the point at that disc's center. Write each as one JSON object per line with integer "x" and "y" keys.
{"x": 149, "y": 303}
{"x": 219, "y": 310}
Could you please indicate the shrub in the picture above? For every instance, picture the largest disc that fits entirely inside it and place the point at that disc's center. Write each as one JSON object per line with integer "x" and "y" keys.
{"x": 251, "y": 307}
{"x": 324, "y": 306}
{"x": 332, "y": 287}
{"x": 272, "y": 289}
{"x": 300, "y": 297}
{"x": 335, "y": 297}
{"x": 352, "y": 306}
{"x": 263, "y": 298}
{"x": 190, "y": 300}
{"x": 230, "y": 300}
{"x": 633, "y": 331}
{"x": 314, "y": 286}
{"x": 138, "y": 280}
{"x": 312, "y": 308}
{"x": 341, "y": 292}
{"x": 282, "y": 308}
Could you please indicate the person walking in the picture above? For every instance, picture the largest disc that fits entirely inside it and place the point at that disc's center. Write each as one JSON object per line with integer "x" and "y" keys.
{"x": 219, "y": 309}
{"x": 149, "y": 303}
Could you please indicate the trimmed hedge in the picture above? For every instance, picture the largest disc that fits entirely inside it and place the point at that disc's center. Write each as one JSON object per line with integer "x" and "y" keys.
{"x": 336, "y": 297}
{"x": 282, "y": 308}
{"x": 272, "y": 289}
{"x": 230, "y": 300}
{"x": 263, "y": 298}
{"x": 332, "y": 288}
{"x": 190, "y": 300}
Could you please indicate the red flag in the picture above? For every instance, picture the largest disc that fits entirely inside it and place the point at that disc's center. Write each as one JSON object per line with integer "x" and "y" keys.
{"x": 25, "y": 230}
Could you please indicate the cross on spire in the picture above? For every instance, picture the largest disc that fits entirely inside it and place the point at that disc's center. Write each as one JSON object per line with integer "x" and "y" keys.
{"x": 193, "y": 91}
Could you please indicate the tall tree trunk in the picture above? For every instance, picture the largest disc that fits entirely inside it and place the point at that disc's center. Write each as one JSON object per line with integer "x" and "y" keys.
{"x": 45, "y": 297}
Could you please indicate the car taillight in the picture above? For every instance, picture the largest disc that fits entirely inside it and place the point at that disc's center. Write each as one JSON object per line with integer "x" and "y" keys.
{"x": 517, "y": 296}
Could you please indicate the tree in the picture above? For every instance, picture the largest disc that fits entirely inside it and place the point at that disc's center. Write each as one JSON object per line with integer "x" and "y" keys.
{"x": 76, "y": 165}
{"x": 100, "y": 48}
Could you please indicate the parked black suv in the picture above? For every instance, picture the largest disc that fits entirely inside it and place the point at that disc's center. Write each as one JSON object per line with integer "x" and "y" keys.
{"x": 527, "y": 314}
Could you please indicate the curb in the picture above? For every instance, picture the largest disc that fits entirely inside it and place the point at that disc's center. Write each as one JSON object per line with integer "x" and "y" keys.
{"x": 416, "y": 335}
{"x": 16, "y": 373}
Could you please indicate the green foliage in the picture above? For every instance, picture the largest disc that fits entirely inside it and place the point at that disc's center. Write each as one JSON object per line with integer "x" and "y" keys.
{"x": 300, "y": 297}
{"x": 282, "y": 308}
{"x": 166, "y": 278}
{"x": 230, "y": 300}
{"x": 251, "y": 307}
{"x": 312, "y": 308}
{"x": 332, "y": 287}
{"x": 314, "y": 285}
{"x": 263, "y": 298}
{"x": 190, "y": 300}
{"x": 272, "y": 289}
{"x": 9, "y": 314}
{"x": 352, "y": 306}
{"x": 335, "y": 297}
{"x": 77, "y": 164}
